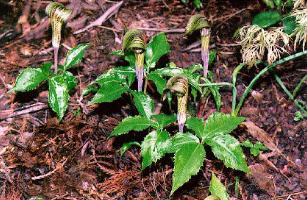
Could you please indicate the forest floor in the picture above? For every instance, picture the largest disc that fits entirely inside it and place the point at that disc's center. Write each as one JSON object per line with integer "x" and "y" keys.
{"x": 76, "y": 157}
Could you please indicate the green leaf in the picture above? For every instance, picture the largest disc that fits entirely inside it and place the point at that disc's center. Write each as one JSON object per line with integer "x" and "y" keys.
{"x": 194, "y": 68}
{"x": 228, "y": 149}
{"x": 180, "y": 140}
{"x": 188, "y": 161}
{"x": 126, "y": 146}
{"x": 212, "y": 56}
{"x": 175, "y": 71}
{"x": 255, "y": 149}
{"x": 269, "y": 3}
{"x": 159, "y": 81}
{"x": 58, "y": 95}
{"x": 143, "y": 103}
{"x": 289, "y": 24}
{"x": 124, "y": 75}
{"x": 220, "y": 123}
{"x": 216, "y": 188}
{"x": 196, "y": 125}
{"x": 75, "y": 55}
{"x": 71, "y": 81}
{"x": 91, "y": 88}
{"x": 108, "y": 92}
{"x": 164, "y": 120}
{"x": 46, "y": 68}
{"x": 135, "y": 123}
{"x": 118, "y": 53}
{"x": 215, "y": 91}
{"x": 156, "y": 48}
{"x": 198, "y": 4}
{"x": 267, "y": 18}
{"x": 153, "y": 146}
{"x": 29, "y": 79}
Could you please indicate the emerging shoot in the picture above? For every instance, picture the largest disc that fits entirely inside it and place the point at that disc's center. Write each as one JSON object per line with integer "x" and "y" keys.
{"x": 133, "y": 41}
{"x": 199, "y": 22}
{"x": 180, "y": 86}
{"x": 58, "y": 14}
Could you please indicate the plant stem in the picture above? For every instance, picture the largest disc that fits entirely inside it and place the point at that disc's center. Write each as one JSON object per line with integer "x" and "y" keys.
{"x": 234, "y": 89}
{"x": 262, "y": 72}
{"x": 216, "y": 84}
{"x": 299, "y": 86}
{"x": 288, "y": 93}
{"x": 56, "y": 53}
{"x": 139, "y": 69}
{"x": 205, "y": 37}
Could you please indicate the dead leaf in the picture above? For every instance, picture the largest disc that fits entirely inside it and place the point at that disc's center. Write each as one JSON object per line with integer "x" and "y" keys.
{"x": 262, "y": 178}
{"x": 259, "y": 134}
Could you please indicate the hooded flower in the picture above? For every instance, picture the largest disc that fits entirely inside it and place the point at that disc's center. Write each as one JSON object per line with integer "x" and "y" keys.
{"x": 179, "y": 85}
{"x": 199, "y": 22}
{"x": 133, "y": 41}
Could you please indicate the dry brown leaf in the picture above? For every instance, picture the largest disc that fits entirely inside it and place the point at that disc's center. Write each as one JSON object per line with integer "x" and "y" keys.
{"x": 262, "y": 178}
{"x": 259, "y": 134}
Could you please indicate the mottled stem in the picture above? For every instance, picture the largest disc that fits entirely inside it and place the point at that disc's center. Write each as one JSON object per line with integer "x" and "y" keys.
{"x": 139, "y": 69}
{"x": 182, "y": 111}
{"x": 205, "y": 36}
{"x": 56, "y": 53}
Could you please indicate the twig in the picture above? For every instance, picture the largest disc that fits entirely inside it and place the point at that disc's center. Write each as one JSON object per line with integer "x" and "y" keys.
{"x": 49, "y": 173}
{"x": 176, "y": 30}
{"x": 26, "y": 110}
{"x": 109, "y": 13}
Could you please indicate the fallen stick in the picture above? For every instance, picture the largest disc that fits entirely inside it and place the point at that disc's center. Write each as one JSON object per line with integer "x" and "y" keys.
{"x": 5, "y": 114}
{"x": 109, "y": 13}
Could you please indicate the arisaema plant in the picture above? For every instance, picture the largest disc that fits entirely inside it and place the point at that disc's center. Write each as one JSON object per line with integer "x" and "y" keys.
{"x": 200, "y": 23}
{"x": 60, "y": 81}
{"x": 58, "y": 14}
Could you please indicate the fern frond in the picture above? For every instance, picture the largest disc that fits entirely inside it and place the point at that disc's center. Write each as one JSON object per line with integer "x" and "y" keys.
{"x": 196, "y": 22}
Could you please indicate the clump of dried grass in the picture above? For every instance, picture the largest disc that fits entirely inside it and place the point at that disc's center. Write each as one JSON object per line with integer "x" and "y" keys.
{"x": 300, "y": 14}
{"x": 257, "y": 42}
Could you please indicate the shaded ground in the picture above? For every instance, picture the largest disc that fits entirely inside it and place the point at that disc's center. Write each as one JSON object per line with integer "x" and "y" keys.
{"x": 77, "y": 158}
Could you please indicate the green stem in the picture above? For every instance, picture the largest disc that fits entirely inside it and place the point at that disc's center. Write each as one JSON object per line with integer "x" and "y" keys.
{"x": 234, "y": 89}
{"x": 299, "y": 86}
{"x": 290, "y": 96}
{"x": 216, "y": 84}
{"x": 262, "y": 72}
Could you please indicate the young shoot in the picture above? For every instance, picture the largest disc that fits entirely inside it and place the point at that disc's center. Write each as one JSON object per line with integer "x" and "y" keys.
{"x": 179, "y": 85}
{"x": 133, "y": 41}
{"x": 58, "y": 14}
{"x": 199, "y": 22}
